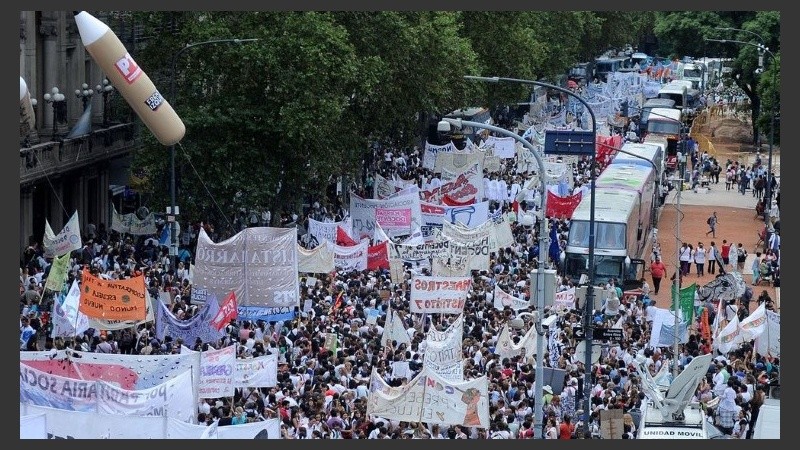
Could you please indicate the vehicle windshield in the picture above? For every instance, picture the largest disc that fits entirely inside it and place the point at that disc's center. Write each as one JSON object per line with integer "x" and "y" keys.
{"x": 609, "y": 236}
{"x": 663, "y": 127}
{"x": 692, "y": 73}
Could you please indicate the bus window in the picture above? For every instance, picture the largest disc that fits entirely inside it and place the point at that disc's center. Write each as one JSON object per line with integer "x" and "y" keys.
{"x": 611, "y": 236}
{"x": 579, "y": 233}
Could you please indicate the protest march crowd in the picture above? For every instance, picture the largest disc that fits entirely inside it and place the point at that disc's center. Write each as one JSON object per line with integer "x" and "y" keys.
{"x": 383, "y": 302}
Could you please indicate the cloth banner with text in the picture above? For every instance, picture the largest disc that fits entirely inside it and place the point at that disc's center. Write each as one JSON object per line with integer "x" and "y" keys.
{"x": 114, "y": 325}
{"x": 443, "y": 353}
{"x": 384, "y": 187}
{"x": 67, "y": 240}
{"x": 432, "y": 399}
{"x": 503, "y": 299}
{"x": 323, "y": 231}
{"x": 172, "y": 398}
{"x": 465, "y": 188}
{"x": 58, "y": 273}
{"x": 363, "y": 212}
{"x": 124, "y": 299}
{"x": 432, "y": 151}
{"x": 355, "y": 257}
{"x": 198, "y": 326}
{"x": 259, "y": 264}
{"x": 257, "y": 372}
{"x": 506, "y": 347}
{"x": 443, "y": 295}
{"x": 217, "y": 373}
{"x": 132, "y": 224}
{"x": 378, "y": 256}
{"x": 434, "y": 216}
{"x": 769, "y": 342}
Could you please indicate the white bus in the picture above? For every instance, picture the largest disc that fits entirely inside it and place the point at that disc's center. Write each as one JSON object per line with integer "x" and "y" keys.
{"x": 616, "y": 224}
{"x": 674, "y": 91}
{"x": 644, "y": 154}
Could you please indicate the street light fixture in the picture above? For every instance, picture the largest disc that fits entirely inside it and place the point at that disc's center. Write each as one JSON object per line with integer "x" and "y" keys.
{"x": 544, "y": 236}
{"x": 589, "y": 302}
{"x": 173, "y": 210}
{"x": 84, "y": 94}
{"x": 105, "y": 89}
{"x": 763, "y": 49}
{"x": 57, "y": 100}
{"x": 741, "y": 30}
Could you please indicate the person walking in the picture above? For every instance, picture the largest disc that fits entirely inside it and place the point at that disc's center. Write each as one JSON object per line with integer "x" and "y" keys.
{"x": 657, "y": 271}
{"x": 700, "y": 258}
{"x": 741, "y": 257}
{"x": 712, "y": 222}
{"x": 686, "y": 258}
{"x": 726, "y": 253}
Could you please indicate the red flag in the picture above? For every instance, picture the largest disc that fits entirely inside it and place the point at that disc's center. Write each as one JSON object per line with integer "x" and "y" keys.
{"x": 342, "y": 238}
{"x": 227, "y": 312}
{"x": 562, "y": 207}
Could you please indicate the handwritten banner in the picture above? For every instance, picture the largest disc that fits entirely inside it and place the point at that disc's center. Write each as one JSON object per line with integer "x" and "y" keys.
{"x": 113, "y": 299}
{"x": 443, "y": 295}
{"x": 217, "y": 373}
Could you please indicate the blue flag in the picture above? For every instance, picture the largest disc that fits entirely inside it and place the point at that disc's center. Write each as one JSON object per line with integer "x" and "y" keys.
{"x": 166, "y": 236}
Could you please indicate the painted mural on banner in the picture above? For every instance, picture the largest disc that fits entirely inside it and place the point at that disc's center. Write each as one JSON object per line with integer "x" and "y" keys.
{"x": 124, "y": 299}
{"x": 67, "y": 240}
{"x": 217, "y": 373}
{"x": 443, "y": 295}
{"x": 259, "y": 264}
{"x": 432, "y": 399}
{"x": 465, "y": 188}
{"x": 132, "y": 224}
{"x": 434, "y": 216}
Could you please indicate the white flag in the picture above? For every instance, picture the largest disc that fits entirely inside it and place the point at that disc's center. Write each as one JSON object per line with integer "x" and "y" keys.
{"x": 729, "y": 337}
{"x": 67, "y": 240}
{"x": 754, "y": 324}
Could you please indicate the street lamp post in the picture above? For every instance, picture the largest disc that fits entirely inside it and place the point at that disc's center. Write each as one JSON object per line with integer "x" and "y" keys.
{"x": 84, "y": 94}
{"x": 544, "y": 235}
{"x": 762, "y": 49}
{"x": 105, "y": 89}
{"x": 173, "y": 210}
{"x": 56, "y": 99}
{"x": 589, "y": 302}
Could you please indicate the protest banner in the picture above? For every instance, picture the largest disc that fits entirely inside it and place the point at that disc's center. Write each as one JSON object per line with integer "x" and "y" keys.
{"x": 443, "y": 352}
{"x": 113, "y": 325}
{"x": 316, "y": 260}
{"x": 67, "y": 240}
{"x": 257, "y": 372}
{"x": 173, "y": 398}
{"x": 198, "y": 326}
{"x": 58, "y": 273}
{"x": 351, "y": 258}
{"x": 259, "y": 264}
{"x": 769, "y": 342}
{"x": 123, "y": 299}
{"x": 503, "y": 299}
{"x": 378, "y": 256}
{"x": 323, "y": 231}
{"x": 564, "y": 300}
{"x": 217, "y": 373}
{"x": 132, "y": 224}
{"x": 67, "y": 319}
{"x": 33, "y": 426}
{"x": 443, "y": 295}
{"x": 267, "y": 314}
{"x": 227, "y": 312}
{"x": 40, "y": 388}
{"x": 363, "y": 212}
{"x": 432, "y": 399}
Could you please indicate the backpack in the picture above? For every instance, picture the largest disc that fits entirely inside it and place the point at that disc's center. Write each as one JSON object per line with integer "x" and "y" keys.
{"x": 708, "y": 221}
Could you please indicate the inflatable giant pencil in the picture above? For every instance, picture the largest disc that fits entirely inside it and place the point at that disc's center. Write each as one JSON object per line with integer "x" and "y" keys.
{"x": 27, "y": 120}
{"x": 129, "y": 79}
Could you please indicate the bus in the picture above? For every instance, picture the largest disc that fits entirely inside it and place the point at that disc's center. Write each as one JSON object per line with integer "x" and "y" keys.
{"x": 605, "y": 65}
{"x": 664, "y": 127}
{"x": 642, "y": 180}
{"x": 616, "y": 224}
{"x": 649, "y": 104}
{"x": 647, "y": 155}
{"x": 674, "y": 91}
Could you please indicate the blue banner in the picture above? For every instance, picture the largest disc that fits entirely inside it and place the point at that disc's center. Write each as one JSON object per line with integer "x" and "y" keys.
{"x": 266, "y": 313}
{"x": 199, "y": 326}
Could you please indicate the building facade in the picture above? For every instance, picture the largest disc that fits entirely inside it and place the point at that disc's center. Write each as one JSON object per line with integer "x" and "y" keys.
{"x": 66, "y": 166}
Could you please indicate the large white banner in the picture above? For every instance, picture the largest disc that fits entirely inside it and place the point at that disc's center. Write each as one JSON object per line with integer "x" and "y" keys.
{"x": 266, "y": 429}
{"x": 435, "y": 248}
{"x": 172, "y": 398}
{"x": 257, "y": 372}
{"x": 465, "y": 187}
{"x": 503, "y": 299}
{"x": 769, "y": 342}
{"x": 443, "y": 295}
{"x": 432, "y": 151}
{"x": 67, "y": 240}
{"x": 33, "y": 426}
{"x": 259, "y": 264}
{"x": 506, "y": 347}
{"x": 504, "y": 147}
{"x": 133, "y": 372}
{"x": 323, "y": 231}
{"x": 217, "y": 373}
{"x": 132, "y": 224}
{"x": 40, "y": 388}
{"x": 385, "y": 188}
{"x": 473, "y": 243}
{"x": 362, "y": 212}
{"x": 443, "y": 353}
{"x": 565, "y": 300}
{"x": 432, "y": 399}
{"x": 68, "y": 321}
{"x": 459, "y": 160}
{"x": 316, "y": 260}
{"x": 351, "y": 258}
{"x": 62, "y": 424}
{"x": 434, "y": 216}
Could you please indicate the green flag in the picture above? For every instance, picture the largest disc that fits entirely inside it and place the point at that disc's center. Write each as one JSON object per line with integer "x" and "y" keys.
{"x": 58, "y": 273}
{"x": 686, "y": 301}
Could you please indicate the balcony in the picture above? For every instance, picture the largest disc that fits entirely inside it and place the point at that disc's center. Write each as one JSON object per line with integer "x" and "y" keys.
{"x": 48, "y": 159}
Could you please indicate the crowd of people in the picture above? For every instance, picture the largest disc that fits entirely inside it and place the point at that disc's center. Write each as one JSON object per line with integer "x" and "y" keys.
{"x": 322, "y": 394}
